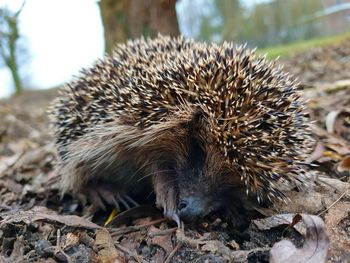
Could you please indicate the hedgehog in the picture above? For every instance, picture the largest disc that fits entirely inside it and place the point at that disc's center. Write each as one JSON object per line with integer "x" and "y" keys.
{"x": 205, "y": 127}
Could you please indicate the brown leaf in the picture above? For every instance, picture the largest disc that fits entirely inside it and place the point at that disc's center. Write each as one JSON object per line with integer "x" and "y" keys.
{"x": 71, "y": 240}
{"x": 336, "y": 221}
{"x": 164, "y": 241}
{"x": 296, "y": 219}
{"x": 33, "y": 157}
{"x": 8, "y": 161}
{"x": 317, "y": 153}
{"x": 333, "y": 142}
{"x": 11, "y": 185}
{"x": 42, "y": 213}
{"x": 334, "y": 183}
{"x": 131, "y": 242}
{"x": 315, "y": 246}
{"x": 267, "y": 223}
{"x": 107, "y": 252}
{"x": 214, "y": 246}
{"x": 344, "y": 165}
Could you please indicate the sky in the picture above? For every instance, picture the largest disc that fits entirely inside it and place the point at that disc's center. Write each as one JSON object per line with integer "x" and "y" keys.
{"x": 62, "y": 36}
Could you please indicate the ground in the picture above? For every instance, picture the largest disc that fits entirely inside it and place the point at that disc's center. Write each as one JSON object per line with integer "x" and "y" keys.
{"x": 38, "y": 225}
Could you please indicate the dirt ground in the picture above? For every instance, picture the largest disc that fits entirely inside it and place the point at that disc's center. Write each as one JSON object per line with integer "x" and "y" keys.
{"x": 38, "y": 225}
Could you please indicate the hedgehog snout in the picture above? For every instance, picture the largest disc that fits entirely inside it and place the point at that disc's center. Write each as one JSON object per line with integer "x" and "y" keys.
{"x": 190, "y": 208}
{"x": 193, "y": 208}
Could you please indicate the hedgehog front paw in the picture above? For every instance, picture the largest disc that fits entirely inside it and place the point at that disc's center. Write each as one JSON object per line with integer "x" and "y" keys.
{"x": 102, "y": 194}
{"x": 237, "y": 218}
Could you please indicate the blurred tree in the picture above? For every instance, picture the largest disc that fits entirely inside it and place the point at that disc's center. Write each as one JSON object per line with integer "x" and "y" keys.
{"x": 232, "y": 15}
{"x": 128, "y": 19}
{"x": 263, "y": 23}
{"x": 9, "y": 51}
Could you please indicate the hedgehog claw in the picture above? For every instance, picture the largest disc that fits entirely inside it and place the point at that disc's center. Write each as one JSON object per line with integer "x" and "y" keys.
{"x": 99, "y": 196}
{"x": 95, "y": 199}
{"x": 173, "y": 216}
{"x": 120, "y": 199}
{"x": 130, "y": 200}
{"x": 123, "y": 199}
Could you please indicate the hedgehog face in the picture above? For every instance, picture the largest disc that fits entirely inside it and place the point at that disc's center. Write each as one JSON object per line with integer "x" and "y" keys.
{"x": 203, "y": 184}
{"x": 202, "y": 188}
{"x": 194, "y": 196}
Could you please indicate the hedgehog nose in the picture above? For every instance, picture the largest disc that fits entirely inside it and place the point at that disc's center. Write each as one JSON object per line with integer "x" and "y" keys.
{"x": 190, "y": 209}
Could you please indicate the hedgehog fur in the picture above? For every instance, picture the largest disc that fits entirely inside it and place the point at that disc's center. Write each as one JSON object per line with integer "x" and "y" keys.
{"x": 199, "y": 121}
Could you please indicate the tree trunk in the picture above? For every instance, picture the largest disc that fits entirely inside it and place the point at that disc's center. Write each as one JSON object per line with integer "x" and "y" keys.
{"x": 15, "y": 76}
{"x": 129, "y": 19}
{"x": 11, "y": 60}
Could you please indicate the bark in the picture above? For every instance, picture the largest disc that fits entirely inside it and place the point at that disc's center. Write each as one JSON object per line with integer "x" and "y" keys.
{"x": 8, "y": 49}
{"x": 129, "y": 19}
{"x": 12, "y": 60}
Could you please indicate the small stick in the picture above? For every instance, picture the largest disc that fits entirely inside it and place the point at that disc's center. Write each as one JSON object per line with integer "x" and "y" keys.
{"x": 171, "y": 255}
{"x": 134, "y": 255}
{"x": 336, "y": 201}
{"x": 129, "y": 229}
{"x": 58, "y": 240}
{"x": 163, "y": 232}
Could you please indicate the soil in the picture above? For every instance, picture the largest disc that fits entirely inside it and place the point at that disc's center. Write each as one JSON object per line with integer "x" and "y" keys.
{"x": 37, "y": 224}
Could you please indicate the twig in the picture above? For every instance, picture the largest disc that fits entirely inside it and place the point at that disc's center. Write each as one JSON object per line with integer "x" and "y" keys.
{"x": 171, "y": 255}
{"x": 134, "y": 255}
{"x": 16, "y": 161}
{"x": 163, "y": 232}
{"x": 60, "y": 250}
{"x": 58, "y": 240}
{"x": 191, "y": 241}
{"x": 222, "y": 249}
{"x": 129, "y": 229}
{"x": 336, "y": 201}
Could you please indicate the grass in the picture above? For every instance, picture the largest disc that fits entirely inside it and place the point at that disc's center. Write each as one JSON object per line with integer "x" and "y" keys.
{"x": 297, "y": 47}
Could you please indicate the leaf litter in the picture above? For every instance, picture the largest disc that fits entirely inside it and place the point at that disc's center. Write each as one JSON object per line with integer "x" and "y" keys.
{"x": 38, "y": 225}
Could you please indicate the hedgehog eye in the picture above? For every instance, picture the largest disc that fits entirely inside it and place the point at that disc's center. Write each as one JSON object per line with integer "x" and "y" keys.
{"x": 169, "y": 166}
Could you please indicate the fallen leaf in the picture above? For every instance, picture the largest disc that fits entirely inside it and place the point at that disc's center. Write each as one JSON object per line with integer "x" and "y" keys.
{"x": 314, "y": 249}
{"x": 132, "y": 241}
{"x": 334, "y": 123}
{"x": 318, "y": 199}
{"x": 8, "y": 161}
{"x": 71, "y": 240}
{"x": 344, "y": 165}
{"x": 164, "y": 241}
{"x": 11, "y": 185}
{"x": 107, "y": 252}
{"x": 38, "y": 213}
{"x": 333, "y": 183}
{"x": 338, "y": 231}
{"x": 317, "y": 153}
{"x": 276, "y": 220}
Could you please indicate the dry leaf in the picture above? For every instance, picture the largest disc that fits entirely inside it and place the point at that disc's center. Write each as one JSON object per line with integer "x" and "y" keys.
{"x": 334, "y": 123}
{"x": 164, "y": 241}
{"x": 333, "y": 183}
{"x": 338, "y": 232}
{"x": 315, "y": 246}
{"x": 43, "y": 213}
{"x": 107, "y": 252}
{"x": 344, "y": 165}
{"x": 71, "y": 240}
